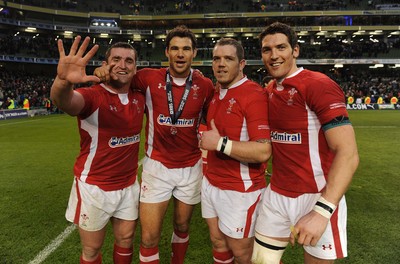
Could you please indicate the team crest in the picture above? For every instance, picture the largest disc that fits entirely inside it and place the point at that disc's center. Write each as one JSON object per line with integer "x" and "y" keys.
{"x": 143, "y": 191}
{"x": 195, "y": 89}
{"x": 85, "y": 219}
{"x": 135, "y": 102}
{"x": 291, "y": 92}
{"x": 232, "y": 101}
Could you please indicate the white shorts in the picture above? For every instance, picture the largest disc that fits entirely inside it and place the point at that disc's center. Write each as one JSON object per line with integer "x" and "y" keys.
{"x": 159, "y": 183}
{"x": 91, "y": 207}
{"x": 236, "y": 211}
{"x": 278, "y": 213}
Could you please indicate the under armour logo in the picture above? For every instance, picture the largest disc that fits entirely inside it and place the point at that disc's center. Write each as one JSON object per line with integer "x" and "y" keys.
{"x": 327, "y": 247}
{"x": 239, "y": 229}
{"x": 161, "y": 86}
{"x": 113, "y": 108}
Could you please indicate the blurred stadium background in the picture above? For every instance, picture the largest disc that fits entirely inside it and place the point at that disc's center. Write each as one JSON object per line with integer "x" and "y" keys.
{"x": 356, "y": 43}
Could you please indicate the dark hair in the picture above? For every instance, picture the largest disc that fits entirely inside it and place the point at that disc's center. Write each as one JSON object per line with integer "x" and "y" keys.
{"x": 124, "y": 45}
{"x": 183, "y": 32}
{"x": 232, "y": 42}
{"x": 278, "y": 27}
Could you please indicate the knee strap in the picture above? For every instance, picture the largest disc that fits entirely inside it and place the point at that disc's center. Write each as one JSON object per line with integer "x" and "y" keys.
{"x": 267, "y": 250}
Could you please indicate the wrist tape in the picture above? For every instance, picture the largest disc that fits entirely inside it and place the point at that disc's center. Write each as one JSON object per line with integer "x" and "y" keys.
{"x": 224, "y": 145}
{"x": 324, "y": 208}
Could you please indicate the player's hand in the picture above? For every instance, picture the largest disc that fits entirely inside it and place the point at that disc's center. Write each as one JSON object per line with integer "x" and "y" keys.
{"x": 104, "y": 73}
{"x": 309, "y": 229}
{"x": 71, "y": 67}
{"x": 209, "y": 139}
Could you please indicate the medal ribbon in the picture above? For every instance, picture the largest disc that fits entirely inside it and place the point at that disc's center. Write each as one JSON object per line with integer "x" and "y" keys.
{"x": 170, "y": 98}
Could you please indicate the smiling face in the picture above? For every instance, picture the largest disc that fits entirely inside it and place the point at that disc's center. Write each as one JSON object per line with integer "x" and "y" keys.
{"x": 278, "y": 56}
{"x": 227, "y": 67}
{"x": 180, "y": 54}
{"x": 123, "y": 62}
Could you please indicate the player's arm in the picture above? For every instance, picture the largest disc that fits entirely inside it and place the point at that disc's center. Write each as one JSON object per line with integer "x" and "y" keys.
{"x": 244, "y": 151}
{"x": 341, "y": 140}
{"x": 250, "y": 151}
{"x": 70, "y": 71}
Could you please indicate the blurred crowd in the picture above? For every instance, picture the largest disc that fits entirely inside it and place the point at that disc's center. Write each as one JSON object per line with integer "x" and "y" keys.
{"x": 154, "y": 7}
{"x": 367, "y": 86}
{"x": 356, "y": 83}
{"x": 17, "y": 86}
{"x": 44, "y": 47}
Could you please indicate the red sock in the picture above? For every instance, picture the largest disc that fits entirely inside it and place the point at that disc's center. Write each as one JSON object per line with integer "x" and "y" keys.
{"x": 149, "y": 255}
{"x": 122, "y": 255}
{"x": 223, "y": 257}
{"x": 96, "y": 261}
{"x": 179, "y": 243}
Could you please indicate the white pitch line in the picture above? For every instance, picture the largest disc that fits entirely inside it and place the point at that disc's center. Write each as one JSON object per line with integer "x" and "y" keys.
{"x": 53, "y": 245}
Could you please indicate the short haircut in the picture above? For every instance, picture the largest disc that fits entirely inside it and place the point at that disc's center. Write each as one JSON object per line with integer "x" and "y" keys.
{"x": 183, "y": 32}
{"x": 232, "y": 42}
{"x": 124, "y": 45}
{"x": 278, "y": 27}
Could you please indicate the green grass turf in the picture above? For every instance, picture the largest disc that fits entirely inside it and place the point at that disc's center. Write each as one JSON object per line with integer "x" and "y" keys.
{"x": 37, "y": 156}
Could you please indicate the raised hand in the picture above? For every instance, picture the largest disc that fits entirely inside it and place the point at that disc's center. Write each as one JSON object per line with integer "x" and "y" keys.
{"x": 71, "y": 68}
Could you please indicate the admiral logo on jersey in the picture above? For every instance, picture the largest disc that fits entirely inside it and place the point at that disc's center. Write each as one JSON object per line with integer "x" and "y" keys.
{"x": 166, "y": 121}
{"x": 116, "y": 142}
{"x": 286, "y": 138}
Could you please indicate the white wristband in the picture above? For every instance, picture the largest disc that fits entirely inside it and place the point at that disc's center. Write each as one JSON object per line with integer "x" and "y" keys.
{"x": 324, "y": 208}
{"x": 219, "y": 145}
{"x": 228, "y": 147}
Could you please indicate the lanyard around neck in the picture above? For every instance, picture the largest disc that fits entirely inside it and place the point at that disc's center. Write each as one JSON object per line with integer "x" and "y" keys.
{"x": 170, "y": 98}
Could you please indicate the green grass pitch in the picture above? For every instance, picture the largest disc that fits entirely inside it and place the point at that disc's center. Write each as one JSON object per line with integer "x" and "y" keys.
{"x": 37, "y": 156}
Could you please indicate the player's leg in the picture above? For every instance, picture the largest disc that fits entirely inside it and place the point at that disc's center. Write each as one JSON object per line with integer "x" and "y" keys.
{"x": 151, "y": 219}
{"x": 180, "y": 237}
{"x": 124, "y": 232}
{"x": 124, "y": 223}
{"x": 273, "y": 227}
{"x": 221, "y": 252}
{"x": 87, "y": 207}
{"x": 268, "y": 250}
{"x": 91, "y": 241}
{"x": 242, "y": 249}
{"x": 156, "y": 191}
{"x": 186, "y": 195}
